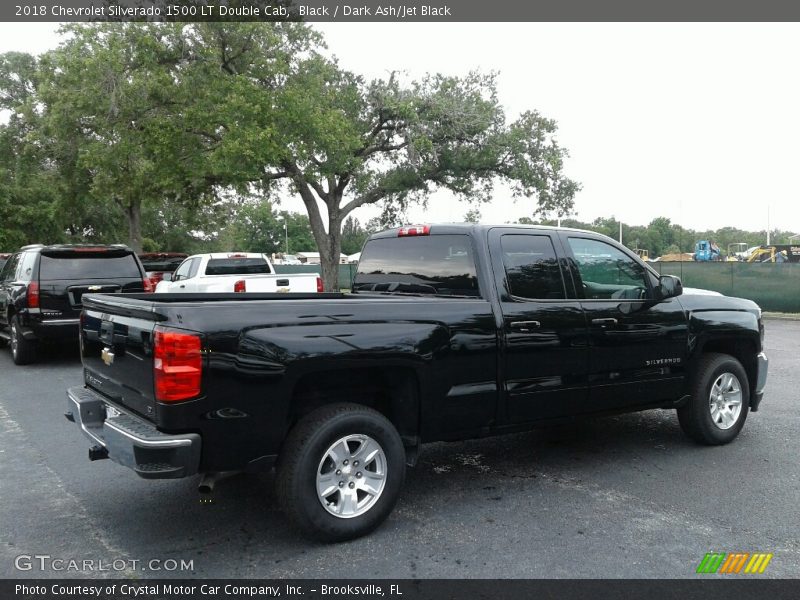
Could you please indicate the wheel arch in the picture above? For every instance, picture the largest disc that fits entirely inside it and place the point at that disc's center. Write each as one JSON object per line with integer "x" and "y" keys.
{"x": 393, "y": 391}
{"x": 743, "y": 349}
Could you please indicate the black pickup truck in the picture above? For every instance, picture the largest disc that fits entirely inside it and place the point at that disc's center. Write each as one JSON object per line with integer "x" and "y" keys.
{"x": 450, "y": 332}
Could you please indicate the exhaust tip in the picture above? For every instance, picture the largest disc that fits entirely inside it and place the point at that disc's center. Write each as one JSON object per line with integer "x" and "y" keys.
{"x": 209, "y": 480}
{"x": 97, "y": 453}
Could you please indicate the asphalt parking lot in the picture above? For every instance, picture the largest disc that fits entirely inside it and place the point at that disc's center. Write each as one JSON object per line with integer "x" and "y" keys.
{"x": 626, "y": 496}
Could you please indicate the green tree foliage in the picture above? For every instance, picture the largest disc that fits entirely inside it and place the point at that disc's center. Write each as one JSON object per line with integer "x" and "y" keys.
{"x": 256, "y": 226}
{"x": 661, "y": 236}
{"x": 286, "y": 113}
{"x": 140, "y": 126}
{"x": 28, "y": 198}
{"x": 112, "y": 95}
{"x": 353, "y": 236}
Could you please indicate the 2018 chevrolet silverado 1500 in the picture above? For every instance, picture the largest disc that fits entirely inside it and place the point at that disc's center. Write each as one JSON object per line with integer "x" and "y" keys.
{"x": 235, "y": 272}
{"x": 450, "y": 332}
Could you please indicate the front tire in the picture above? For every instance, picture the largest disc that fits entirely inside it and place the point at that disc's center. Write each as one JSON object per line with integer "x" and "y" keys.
{"x": 340, "y": 472}
{"x": 23, "y": 351}
{"x": 719, "y": 403}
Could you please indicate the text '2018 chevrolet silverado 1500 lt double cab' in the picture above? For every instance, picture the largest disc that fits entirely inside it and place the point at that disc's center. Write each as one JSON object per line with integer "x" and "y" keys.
{"x": 450, "y": 332}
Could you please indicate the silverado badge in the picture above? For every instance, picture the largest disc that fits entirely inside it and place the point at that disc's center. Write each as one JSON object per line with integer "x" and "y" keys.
{"x": 107, "y": 356}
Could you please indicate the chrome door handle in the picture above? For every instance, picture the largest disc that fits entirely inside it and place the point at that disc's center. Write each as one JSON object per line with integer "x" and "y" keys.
{"x": 605, "y": 323}
{"x": 525, "y": 326}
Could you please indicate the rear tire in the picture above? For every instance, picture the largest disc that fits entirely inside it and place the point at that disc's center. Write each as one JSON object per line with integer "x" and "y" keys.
{"x": 719, "y": 403}
{"x": 340, "y": 472}
{"x": 23, "y": 351}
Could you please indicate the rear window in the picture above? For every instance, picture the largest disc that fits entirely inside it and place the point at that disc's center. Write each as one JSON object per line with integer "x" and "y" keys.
{"x": 237, "y": 266}
{"x": 95, "y": 266}
{"x": 437, "y": 264}
{"x": 164, "y": 265}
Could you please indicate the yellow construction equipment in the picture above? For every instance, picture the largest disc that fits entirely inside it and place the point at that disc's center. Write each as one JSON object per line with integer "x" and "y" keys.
{"x": 777, "y": 253}
{"x": 737, "y": 251}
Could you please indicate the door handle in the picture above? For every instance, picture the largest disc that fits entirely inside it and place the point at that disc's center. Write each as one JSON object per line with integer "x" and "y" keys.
{"x": 605, "y": 323}
{"x": 181, "y": 286}
{"x": 525, "y": 326}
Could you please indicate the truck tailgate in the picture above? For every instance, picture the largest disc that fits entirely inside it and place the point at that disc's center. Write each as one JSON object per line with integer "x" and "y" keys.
{"x": 117, "y": 350}
{"x": 290, "y": 282}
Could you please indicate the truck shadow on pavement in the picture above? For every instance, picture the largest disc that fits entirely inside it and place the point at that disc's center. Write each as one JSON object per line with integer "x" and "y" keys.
{"x": 242, "y": 517}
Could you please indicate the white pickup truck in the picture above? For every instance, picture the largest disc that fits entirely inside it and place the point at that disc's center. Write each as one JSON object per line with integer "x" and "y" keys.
{"x": 235, "y": 272}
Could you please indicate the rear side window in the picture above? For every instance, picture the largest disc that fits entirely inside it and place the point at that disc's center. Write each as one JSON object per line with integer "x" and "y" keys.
{"x": 531, "y": 267}
{"x": 436, "y": 264}
{"x": 26, "y": 264}
{"x": 94, "y": 266}
{"x": 237, "y": 266}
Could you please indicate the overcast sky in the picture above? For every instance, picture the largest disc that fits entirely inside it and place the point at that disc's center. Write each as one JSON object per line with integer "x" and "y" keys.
{"x": 696, "y": 122}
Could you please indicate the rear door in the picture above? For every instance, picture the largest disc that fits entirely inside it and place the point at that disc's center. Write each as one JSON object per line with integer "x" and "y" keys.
{"x": 65, "y": 275}
{"x": 638, "y": 347}
{"x": 544, "y": 332}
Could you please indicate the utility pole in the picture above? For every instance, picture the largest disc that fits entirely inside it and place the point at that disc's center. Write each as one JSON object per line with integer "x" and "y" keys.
{"x": 286, "y": 231}
{"x": 768, "y": 232}
{"x": 620, "y": 232}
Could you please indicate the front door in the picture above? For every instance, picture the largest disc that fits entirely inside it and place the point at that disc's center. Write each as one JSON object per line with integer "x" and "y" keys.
{"x": 544, "y": 334}
{"x": 638, "y": 347}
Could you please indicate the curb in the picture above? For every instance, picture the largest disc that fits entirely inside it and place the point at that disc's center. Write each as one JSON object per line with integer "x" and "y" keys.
{"x": 772, "y": 316}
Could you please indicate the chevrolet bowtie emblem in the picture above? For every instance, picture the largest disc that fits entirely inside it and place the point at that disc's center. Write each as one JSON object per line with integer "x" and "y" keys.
{"x": 107, "y": 356}
{"x": 94, "y": 288}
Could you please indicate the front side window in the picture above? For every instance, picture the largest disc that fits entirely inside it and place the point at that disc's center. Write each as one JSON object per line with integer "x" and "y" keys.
{"x": 607, "y": 272}
{"x": 194, "y": 267}
{"x": 531, "y": 267}
{"x": 182, "y": 272}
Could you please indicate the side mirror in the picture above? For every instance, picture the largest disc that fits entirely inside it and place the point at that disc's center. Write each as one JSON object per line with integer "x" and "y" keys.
{"x": 166, "y": 277}
{"x": 669, "y": 286}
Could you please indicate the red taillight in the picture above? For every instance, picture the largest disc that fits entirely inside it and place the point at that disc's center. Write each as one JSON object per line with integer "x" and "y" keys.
{"x": 178, "y": 365}
{"x": 237, "y": 255}
{"x": 240, "y": 286}
{"x": 320, "y": 287}
{"x": 33, "y": 295}
{"x": 149, "y": 286}
{"x": 414, "y": 230}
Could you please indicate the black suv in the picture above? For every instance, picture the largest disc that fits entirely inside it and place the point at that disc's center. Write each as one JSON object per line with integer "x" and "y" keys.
{"x": 41, "y": 289}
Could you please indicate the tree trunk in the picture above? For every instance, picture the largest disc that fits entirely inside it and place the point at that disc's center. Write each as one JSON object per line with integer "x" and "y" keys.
{"x": 329, "y": 243}
{"x": 329, "y": 256}
{"x": 134, "y": 213}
